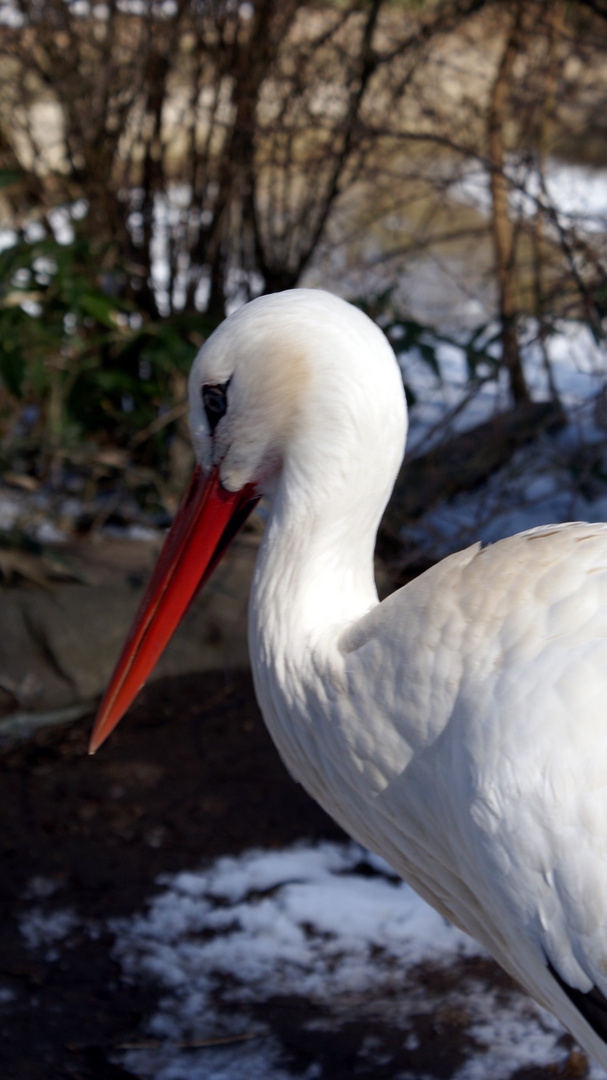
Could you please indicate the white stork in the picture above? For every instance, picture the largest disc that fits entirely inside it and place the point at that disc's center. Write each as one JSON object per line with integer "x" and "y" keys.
{"x": 458, "y": 728}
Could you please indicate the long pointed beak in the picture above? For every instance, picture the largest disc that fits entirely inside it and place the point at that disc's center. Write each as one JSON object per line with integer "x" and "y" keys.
{"x": 205, "y": 524}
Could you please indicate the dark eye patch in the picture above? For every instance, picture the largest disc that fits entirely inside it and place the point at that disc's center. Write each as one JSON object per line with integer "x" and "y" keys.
{"x": 215, "y": 403}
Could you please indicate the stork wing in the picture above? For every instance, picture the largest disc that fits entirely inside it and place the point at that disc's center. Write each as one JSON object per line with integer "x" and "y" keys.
{"x": 489, "y": 676}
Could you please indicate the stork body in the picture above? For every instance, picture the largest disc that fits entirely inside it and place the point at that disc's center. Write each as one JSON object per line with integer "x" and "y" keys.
{"x": 458, "y": 728}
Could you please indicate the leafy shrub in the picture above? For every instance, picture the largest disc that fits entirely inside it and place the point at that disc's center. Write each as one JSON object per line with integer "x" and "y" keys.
{"x": 79, "y": 364}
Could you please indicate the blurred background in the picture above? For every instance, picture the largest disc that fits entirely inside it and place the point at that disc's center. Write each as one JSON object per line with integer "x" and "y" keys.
{"x": 161, "y": 163}
{"x": 441, "y": 163}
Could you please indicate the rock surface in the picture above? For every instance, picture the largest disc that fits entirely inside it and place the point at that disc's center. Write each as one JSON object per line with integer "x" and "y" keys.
{"x": 59, "y": 643}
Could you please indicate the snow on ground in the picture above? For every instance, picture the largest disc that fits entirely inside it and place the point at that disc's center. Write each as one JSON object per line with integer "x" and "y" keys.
{"x": 560, "y": 477}
{"x": 295, "y": 921}
{"x": 327, "y": 930}
{"x": 53, "y": 517}
{"x": 578, "y": 366}
{"x": 40, "y": 927}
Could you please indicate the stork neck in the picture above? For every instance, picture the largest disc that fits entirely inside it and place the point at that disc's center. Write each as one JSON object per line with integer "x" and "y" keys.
{"x": 314, "y": 571}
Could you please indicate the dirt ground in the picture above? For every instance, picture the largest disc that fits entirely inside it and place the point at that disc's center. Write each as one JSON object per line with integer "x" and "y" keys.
{"x": 190, "y": 775}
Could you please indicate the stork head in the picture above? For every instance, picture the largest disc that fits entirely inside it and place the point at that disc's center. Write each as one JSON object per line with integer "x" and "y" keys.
{"x": 247, "y": 389}
{"x": 295, "y": 385}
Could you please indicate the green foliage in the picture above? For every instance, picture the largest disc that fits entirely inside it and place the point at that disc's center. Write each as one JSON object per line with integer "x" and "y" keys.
{"x": 8, "y": 177}
{"x": 81, "y": 354}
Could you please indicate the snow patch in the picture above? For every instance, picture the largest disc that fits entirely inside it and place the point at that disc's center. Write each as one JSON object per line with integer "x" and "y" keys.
{"x": 40, "y": 927}
{"x": 326, "y": 926}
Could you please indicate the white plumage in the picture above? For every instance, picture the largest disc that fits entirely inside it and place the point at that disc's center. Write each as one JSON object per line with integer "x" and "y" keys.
{"x": 458, "y": 728}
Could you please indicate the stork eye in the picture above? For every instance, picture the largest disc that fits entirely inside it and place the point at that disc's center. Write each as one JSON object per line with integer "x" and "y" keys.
{"x": 215, "y": 403}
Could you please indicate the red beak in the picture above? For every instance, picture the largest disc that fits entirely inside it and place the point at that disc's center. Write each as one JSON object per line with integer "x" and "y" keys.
{"x": 205, "y": 524}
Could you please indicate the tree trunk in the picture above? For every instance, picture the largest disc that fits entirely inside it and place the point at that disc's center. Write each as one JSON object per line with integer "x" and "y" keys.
{"x": 554, "y": 12}
{"x": 270, "y": 23}
{"x": 503, "y": 230}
